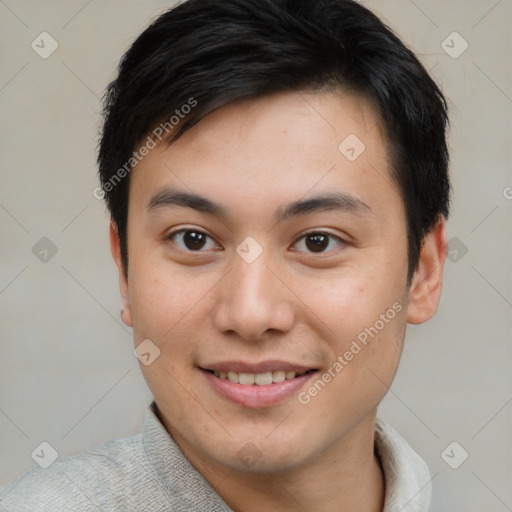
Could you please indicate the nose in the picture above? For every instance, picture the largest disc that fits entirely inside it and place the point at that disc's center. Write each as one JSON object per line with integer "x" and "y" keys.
{"x": 253, "y": 300}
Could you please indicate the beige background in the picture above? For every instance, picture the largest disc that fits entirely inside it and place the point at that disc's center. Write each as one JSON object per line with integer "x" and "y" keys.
{"x": 68, "y": 375}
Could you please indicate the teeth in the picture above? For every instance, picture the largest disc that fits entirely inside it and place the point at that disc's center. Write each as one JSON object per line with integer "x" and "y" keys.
{"x": 263, "y": 379}
{"x": 246, "y": 378}
{"x": 233, "y": 377}
{"x": 260, "y": 379}
{"x": 279, "y": 376}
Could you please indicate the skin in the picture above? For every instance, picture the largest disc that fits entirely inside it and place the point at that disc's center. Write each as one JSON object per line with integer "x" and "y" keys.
{"x": 208, "y": 304}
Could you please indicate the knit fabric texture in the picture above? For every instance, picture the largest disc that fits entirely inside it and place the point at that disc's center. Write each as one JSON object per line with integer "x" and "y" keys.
{"x": 148, "y": 472}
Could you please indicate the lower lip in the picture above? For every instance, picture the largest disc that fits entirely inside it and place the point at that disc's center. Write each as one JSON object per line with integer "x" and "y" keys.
{"x": 257, "y": 396}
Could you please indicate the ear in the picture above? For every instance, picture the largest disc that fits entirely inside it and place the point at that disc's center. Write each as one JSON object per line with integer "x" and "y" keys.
{"x": 427, "y": 282}
{"x": 115, "y": 248}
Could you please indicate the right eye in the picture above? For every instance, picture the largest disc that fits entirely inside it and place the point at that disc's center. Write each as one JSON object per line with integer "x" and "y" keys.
{"x": 190, "y": 240}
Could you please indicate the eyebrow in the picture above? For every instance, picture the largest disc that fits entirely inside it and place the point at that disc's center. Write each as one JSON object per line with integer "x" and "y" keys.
{"x": 333, "y": 201}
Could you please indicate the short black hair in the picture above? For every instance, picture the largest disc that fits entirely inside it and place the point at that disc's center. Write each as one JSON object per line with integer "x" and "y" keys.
{"x": 205, "y": 54}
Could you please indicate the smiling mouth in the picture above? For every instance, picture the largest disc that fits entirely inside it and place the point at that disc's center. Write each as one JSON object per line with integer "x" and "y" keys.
{"x": 258, "y": 379}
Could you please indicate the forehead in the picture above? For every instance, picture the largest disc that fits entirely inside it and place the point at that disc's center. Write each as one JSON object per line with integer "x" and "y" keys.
{"x": 271, "y": 150}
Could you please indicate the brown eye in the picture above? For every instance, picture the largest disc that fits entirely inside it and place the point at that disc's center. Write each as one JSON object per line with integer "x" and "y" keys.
{"x": 190, "y": 239}
{"x": 318, "y": 242}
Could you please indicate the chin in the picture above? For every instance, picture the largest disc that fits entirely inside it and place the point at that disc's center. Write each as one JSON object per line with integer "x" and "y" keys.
{"x": 263, "y": 452}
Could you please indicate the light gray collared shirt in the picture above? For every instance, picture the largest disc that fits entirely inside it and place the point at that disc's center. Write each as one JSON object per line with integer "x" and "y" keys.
{"x": 147, "y": 472}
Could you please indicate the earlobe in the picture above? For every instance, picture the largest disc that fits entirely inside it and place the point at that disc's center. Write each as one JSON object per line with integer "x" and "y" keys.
{"x": 115, "y": 248}
{"x": 426, "y": 286}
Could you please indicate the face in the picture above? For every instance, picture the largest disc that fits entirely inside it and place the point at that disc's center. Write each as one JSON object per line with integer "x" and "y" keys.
{"x": 291, "y": 272}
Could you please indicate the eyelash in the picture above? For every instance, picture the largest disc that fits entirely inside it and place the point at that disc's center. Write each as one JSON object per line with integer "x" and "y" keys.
{"x": 342, "y": 242}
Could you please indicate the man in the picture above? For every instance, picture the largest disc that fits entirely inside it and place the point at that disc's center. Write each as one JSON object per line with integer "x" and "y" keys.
{"x": 276, "y": 174}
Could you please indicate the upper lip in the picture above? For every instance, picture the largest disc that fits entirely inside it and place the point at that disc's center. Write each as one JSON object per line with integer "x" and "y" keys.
{"x": 261, "y": 367}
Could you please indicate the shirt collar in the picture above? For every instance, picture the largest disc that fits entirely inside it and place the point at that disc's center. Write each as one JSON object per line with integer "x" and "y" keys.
{"x": 407, "y": 477}
{"x": 184, "y": 487}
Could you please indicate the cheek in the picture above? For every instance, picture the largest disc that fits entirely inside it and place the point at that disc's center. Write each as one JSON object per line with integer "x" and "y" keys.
{"x": 366, "y": 317}
{"x": 160, "y": 296}
{"x": 365, "y": 351}
{"x": 170, "y": 305}
{"x": 352, "y": 302}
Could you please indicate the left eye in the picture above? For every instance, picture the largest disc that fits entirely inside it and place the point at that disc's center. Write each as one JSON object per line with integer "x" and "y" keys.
{"x": 195, "y": 240}
{"x": 318, "y": 241}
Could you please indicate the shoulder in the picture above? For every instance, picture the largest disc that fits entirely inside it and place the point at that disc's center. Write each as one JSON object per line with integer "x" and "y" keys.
{"x": 98, "y": 479}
